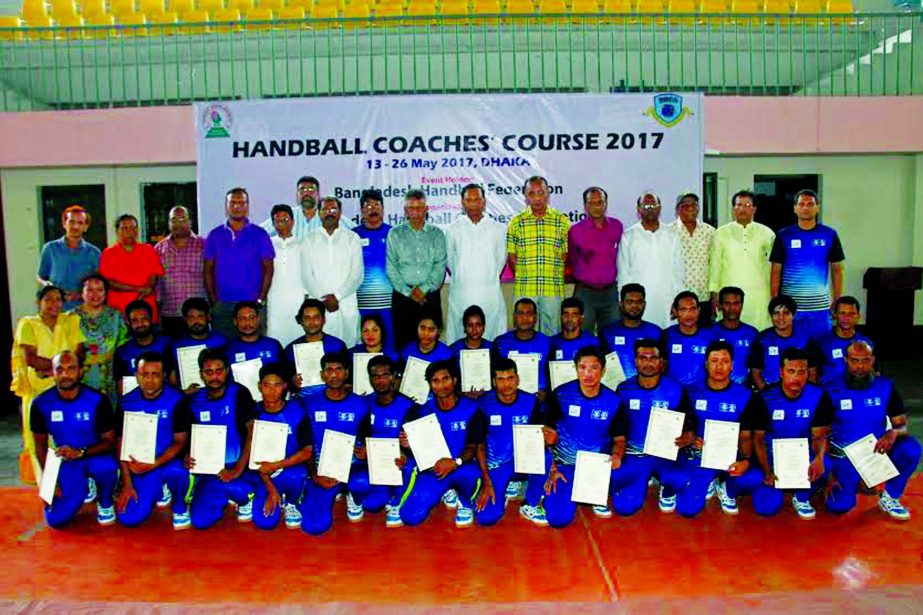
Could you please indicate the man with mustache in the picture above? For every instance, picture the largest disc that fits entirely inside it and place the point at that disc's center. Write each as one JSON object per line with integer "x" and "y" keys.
{"x": 307, "y": 193}
{"x": 374, "y": 293}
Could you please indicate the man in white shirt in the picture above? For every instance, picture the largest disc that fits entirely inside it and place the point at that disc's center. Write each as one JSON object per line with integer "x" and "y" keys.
{"x": 650, "y": 255}
{"x": 476, "y": 249}
{"x": 287, "y": 290}
{"x": 331, "y": 266}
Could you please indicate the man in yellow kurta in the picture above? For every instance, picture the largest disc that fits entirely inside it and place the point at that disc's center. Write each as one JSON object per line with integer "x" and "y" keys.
{"x": 740, "y": 257}
{"x": 38, "y": 339}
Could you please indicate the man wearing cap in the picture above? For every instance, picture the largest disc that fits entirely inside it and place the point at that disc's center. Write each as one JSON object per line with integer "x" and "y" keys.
{"x": 694, "y": 238}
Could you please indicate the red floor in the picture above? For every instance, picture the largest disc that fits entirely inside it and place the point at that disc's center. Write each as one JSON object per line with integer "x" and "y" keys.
{"x": 650, "y": 559}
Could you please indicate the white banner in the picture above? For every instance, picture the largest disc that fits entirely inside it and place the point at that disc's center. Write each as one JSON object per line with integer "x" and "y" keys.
{"x": 624, "y": 143}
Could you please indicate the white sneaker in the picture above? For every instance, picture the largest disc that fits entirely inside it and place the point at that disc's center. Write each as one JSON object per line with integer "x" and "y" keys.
{"x": 535, "y": 514}
{"x": 804, "y": 510}
{"x": 450, "y": 499}
{"x": 464, "y": 516}
{"x": 514, "y": 490}
{"x": 712, "y": 486}
{"x": 603, "y": 512}
{"x": 393, "y": 518}
{"x": 666, "y": 504}
{"x": 105, "y": 516}
{"x": 166, "y": 499}
{"x": 181, "y": 521}
{"x": 91, "y": 491}
{"x": 245, "y": 512}
{"x": 354, "y": 512}
{"x": 728, "y": 504}
{"x": 893, "y": 507}
{"x": 292, "y": 516}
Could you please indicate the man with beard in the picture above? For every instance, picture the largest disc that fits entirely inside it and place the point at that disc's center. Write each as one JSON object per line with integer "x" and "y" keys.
{"x": 249, "y": 343}
{"x": 198, "y": 333}
{"x": 374, "y": 294}
{"x": 730, "y": 329}
{"x": 620, "y": 336}
{"x": 331, "y": 269}
{"x": 181, "y": 254}
{"x": 80, "y": 421}
{"x": 573, "y": 337}
{"x": 143, "y": 339}
{"x": 307, "y": 194}
{"x": 861, "y": 401}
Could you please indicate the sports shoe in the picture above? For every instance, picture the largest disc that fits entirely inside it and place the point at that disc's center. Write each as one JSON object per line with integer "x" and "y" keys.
{"x": 728, "y": 504}
{"x": 535, "y": 514}
{"x": 450, "y": 499}
{"x": 354, "y": 512}
{"x": 514, "y": 490}
{"x": 245, "y": 512}
{"x": 181, "y": 521}
{"x": 667, "y": 504}
{"x": 393, "y": 518}
{"x": 804, "y": 510}
{"x": 91, "y": 491}
{"x": 464, "y": 516}
{"x": 166, "y": 499}
{"x": 603, "y": 512}
{"x": 712, "y": 486}
{"x": 893, "y": 507}
{"x": 292, "y": 516}
{"x": 104, "y": 515}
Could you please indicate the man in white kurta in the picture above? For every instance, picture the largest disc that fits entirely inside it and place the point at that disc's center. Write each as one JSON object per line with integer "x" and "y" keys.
{"x": 331, "y": 265}
{"x": 287, "y": 290}
{"x": 650, "y": 255}
{"x": 476, "y": 250}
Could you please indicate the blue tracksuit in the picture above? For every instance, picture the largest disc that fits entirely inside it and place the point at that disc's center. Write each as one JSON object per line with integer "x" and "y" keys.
{"x": 686, "y": 354}
{"x": 741, "y": 339}
{"x": 331, "y": 344}
{"x": 766, "y": 352}
{"x": 616, "y": 337}
{"x": 539, "y": 344}
{"x": 832, "y": 351}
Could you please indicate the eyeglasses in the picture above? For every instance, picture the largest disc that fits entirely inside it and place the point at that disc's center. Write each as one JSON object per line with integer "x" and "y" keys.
{"x": 283, "y": 219}
{"x": 307, "y": 188}
{"x": 744, "y": 206}
{"x": 649, "y": 206}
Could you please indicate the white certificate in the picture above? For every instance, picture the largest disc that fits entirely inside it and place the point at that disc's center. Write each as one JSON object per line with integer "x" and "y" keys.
{"x": 874, "y": 468}
{"x": 188, "y": 359}
{"x": 381, "y": 454}
{"x": 561, "y": 372}
{"x": 49, "y": 476}
{"x": 139, "y": 437}
{"x": 336, "y": 455}
{"x": 307, "y": 362}
{"x": 208, "y": 448}
{"x": 790, "y": 461}
{"x": 663, "y": 428}
{"x": 247, "y": 374}
{"x": 413, "y": 381}
{"x": 427, "y": 441}
{"x": 591, "y": 478}
{"x": 129, "y": 384}
{"x": 475, "y": 370}
{"x": 269, "y": 440}
{"x": 720, "y": 444}
{"x": 362, "y": 385}
{"x": 614, "y": 375}
{"x": 527, "y": 365}
{"x": 528, "y": 449}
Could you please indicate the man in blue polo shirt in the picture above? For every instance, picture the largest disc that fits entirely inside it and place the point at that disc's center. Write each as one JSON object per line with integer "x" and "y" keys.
{"x": 524, "y": 339}
{"x": 685, "y": 342}
{"x": 861, "y": 401}
{"x": 732, "y": 330}
{"x": 620, "y": 336}
{"x": 143, "y": 483}
{"x": 238, "y": 262}
{"x": 765, "y": 358}
{"x": 249, "y": 343}
{"x": 831, "y": 346}
{"x": 66, "y": 261}
{"x": 81, "y": 422}
{"x": 198, "y": 333}
{"x": 144, "y": 338}
{"x": 311, "y": 317}
{"x": 807, "y": 257}
{"x": 564, "y": 345}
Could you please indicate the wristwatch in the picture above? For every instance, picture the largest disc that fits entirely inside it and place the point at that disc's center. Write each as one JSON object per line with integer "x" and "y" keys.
{"x": 458, "y": 461}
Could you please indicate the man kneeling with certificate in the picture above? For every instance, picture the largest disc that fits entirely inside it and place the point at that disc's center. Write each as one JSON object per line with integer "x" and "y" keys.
{"x": 862, "y": 447}
{"x": 153, "y": 425}
{"x": 280, "y": 453}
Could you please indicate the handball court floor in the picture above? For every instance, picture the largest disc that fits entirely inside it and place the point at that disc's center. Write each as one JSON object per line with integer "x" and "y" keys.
{"x": 652, "y": 562}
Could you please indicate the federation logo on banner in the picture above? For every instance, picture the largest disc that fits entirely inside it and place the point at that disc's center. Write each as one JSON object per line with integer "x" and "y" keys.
{"x": 668, "y": 110}
{"x": 216, "y": 121}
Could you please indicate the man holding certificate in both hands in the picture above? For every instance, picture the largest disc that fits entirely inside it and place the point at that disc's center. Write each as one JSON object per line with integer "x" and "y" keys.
{"x": 863, "y": 449}
{"x": 222, "y": 428}
{"x": 153, "y": 425}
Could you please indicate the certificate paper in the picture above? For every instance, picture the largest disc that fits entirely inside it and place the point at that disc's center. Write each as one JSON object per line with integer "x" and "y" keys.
{"x": 663, "y": 428}
{"x": 475, "y": 370}
{"x": 129, "y": 384}
{"x": 591, "y": 478}
{"x": 188, "y": 359}
{"x": 381, "y": 453}
{"x": 269, "y": 440}
{"x": 720, "y": 448}
{"x": 139, "y": 437}
{"x": 208, "y": 448}
{"x": 427, "y": 441}
{"x": 361, "y": 383}
{"x": 614, "y": 374}
{"x": 528, "y": 449}
{"x": 561, "y": 372}
{"x": 336, "y": 455}
{"x": 413, "y": 382}
{"x": 49, "y": 476}
{"x": 307, "y": 362}
{"x": 790, "y": 461}
{"x": 527, "y": 367}
{"x": 874, "y": 468}
{"x": 247, "y": 374}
